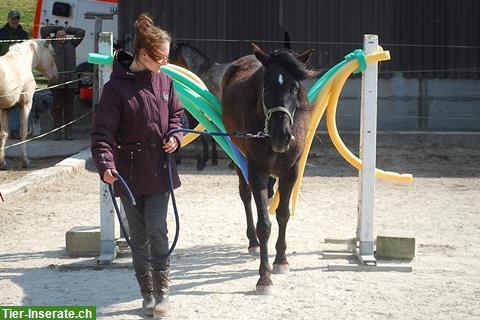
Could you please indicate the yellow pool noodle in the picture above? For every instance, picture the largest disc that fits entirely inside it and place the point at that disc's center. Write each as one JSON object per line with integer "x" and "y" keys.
{"x": 189, "y": 74}
{"x": 343, "y": 74}
{"x": 327, "y": 99}
{"x": 189, "y": 137}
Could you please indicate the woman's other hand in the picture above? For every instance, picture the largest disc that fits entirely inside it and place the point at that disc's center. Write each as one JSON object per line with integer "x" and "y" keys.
{"x": 171, "y": 145}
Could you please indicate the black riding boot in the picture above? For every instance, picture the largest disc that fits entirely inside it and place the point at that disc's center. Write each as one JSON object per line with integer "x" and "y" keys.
{"x": 146, "y": 288}
{"x": 160, "y": 292}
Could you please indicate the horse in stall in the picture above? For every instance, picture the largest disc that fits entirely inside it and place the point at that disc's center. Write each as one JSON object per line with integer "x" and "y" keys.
{"x": 211, "y": 73}
{"x": 17, "y": 85}
{"x": 262, "y": 92}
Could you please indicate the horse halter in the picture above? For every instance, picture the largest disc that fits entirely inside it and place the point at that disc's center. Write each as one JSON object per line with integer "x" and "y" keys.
{"x": 269, "y": 111}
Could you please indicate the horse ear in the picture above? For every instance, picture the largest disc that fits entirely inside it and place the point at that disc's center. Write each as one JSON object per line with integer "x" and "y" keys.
{"x": 260, "y": 54}
{"x": 305, "y": 56}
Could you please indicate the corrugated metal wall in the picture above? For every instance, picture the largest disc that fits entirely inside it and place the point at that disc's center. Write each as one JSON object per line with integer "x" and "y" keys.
{"x": 427, "y": 38}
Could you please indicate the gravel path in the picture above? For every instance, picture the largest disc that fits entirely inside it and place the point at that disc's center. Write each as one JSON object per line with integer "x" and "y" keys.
{"x": 214, "y": 277}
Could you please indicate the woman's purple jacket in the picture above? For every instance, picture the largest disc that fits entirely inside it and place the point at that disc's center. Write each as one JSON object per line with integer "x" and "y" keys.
{"x": 135, "y": 112}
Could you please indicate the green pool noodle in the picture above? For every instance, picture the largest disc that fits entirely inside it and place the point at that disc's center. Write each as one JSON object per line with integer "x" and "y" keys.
{"x": 207, "y": 95}
{"x": 96, "y": 58}
{"x": 192, "y": 106}
{"x": 205, "y": 106}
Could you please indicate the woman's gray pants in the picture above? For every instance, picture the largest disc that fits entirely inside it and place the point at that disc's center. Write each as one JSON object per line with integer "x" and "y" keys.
{"x": 147, "y": 222}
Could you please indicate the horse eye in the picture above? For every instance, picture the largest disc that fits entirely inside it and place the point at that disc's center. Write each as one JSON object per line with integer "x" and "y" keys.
{"x": 295, "y": 90}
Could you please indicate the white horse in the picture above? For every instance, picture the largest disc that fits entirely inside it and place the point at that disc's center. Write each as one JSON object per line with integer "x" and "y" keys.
{"x": 17, "y": 85}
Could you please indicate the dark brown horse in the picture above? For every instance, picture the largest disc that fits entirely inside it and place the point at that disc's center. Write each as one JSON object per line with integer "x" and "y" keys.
{"x": 211, "y": 73}
{"x": 262, "y": 92}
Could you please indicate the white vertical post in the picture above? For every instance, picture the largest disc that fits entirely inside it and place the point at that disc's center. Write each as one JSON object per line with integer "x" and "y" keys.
{"x": 368, "y": 141}
{"x": 96, "y": 68}
{"x": 108, "y": 248}
{"x": 105, "y": 47}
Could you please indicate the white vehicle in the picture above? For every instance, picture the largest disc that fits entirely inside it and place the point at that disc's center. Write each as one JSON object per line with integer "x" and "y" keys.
{"x": 72, "y": 13}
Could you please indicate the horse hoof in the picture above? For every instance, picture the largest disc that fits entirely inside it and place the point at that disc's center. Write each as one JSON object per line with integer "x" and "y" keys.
{"x": 254, "y": 251}
{"x": 26, "y": 164}
{"x": 280, "y": 268}
{"x": 3, "y": 167}
{"x": 264, "y": 290}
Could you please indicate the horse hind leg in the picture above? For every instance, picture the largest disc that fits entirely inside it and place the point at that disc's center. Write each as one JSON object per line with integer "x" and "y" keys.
{"x": 3, "y": 137}
{"x": 206, "y": 153}
{"x": 214, "y": 152}
{"x": 24, "y": 112}
{"x": 202, "y": 155}
{"x": 286, "y": 183}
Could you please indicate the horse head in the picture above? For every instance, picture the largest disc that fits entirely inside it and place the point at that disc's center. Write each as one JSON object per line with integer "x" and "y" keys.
{"x": 175, "y": 56}
{"x": 45, "y": 59}
{"x": 189, "y": 57}
{"x": 282, "y": 93}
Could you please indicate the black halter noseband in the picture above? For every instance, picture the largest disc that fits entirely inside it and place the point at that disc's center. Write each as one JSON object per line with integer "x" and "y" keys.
{"x": 269, "y": 111}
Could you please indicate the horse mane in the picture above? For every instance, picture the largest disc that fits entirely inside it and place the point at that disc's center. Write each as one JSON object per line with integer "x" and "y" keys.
{"x": 287, "y": 59}
{"x": 182, "y": 44}
{"x": 18, "y": 46}
{"x": 303, "y": 100}
{"x": 26, "y": 48}
{"x": 23, "y": 48}
{"x": 21, "y": 45}
{"x": 200, "y": 68}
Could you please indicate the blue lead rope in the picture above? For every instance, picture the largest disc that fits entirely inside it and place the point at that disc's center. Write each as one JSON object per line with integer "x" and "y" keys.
{"x": 131, "y": 198}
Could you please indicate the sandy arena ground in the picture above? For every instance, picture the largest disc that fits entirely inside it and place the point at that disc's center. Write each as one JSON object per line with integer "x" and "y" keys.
{"x": 213, "y": 277}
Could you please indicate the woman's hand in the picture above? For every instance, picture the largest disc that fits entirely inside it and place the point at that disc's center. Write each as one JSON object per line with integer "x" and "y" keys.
{"x": 171, "y": 145}
{"x": 108, "y": 176}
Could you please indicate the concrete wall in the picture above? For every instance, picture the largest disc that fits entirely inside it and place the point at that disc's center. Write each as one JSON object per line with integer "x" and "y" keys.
{"x": 413, "y": 104}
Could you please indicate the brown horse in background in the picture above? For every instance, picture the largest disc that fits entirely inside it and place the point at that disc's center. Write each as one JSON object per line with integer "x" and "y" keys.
{"x": 262, "y": 92}
{"x": 211, "y": 73}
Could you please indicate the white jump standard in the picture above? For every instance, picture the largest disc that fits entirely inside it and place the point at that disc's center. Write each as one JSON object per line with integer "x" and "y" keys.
{"x": 364, "y": 243}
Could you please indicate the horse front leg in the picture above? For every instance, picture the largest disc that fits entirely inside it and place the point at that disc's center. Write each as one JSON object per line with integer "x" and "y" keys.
{"x": 286, "y": 184}
{"x": 259, "y": 185}
{"x": 24, "y": 112}
{"x": 246, "y": 196}
{"x": 3, "y": 137}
